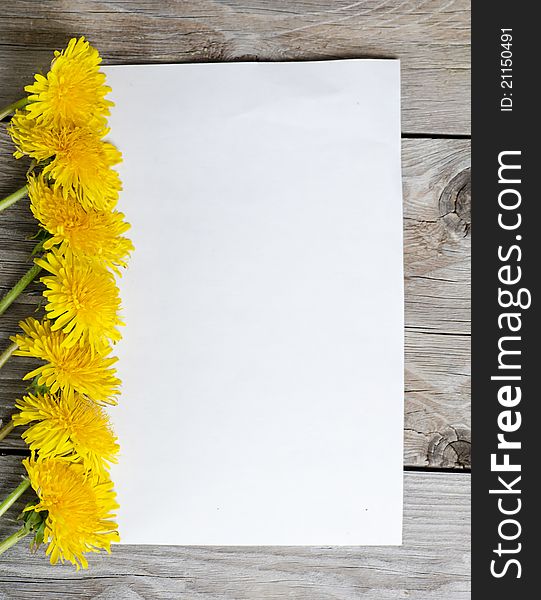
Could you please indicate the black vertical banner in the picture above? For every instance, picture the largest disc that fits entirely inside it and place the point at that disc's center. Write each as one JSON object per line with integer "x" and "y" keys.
{"x": 506, "y": 275}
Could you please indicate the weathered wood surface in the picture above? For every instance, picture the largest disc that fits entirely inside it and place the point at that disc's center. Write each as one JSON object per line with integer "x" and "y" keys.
{"x": 437, "y": 246}
{"x": 433, "y": 563}
{"x": 431, "y": 37}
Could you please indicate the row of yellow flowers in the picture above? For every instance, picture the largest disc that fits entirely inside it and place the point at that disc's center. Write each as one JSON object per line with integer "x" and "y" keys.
{"x": 73, "y": 190}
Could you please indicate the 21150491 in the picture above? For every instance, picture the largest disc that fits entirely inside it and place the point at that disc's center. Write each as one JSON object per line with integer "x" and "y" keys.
{"x": 506, "y": 70}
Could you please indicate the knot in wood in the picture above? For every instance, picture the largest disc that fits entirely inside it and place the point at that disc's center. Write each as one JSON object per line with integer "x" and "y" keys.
{"x": 450, "y": 448}
{"x": 455, "y": 204}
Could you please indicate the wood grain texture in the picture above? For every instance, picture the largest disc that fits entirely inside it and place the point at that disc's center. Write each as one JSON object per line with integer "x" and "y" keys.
{"x": 431, "y": 37}
{"x": 437, "y": 246}
{"x": 437, "y": 270}
{"x": 433, "y": 563}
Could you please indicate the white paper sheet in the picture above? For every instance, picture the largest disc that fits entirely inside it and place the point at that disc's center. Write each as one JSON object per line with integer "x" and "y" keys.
{"x": 262, "y": 360}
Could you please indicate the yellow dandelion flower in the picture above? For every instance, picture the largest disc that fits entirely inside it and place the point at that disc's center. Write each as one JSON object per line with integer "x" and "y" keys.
{"x": 30, "y": 139}
{"x": 73, "y": 91}
{"x": 80, "y": 510}
{"x": 71, "y": 427}
{"x": 82, "y": 166}
{"x": 89, "y": 233}
{"x": 79, "y": 160}
{"x": 82, "y": 297}
{"x": 70, "y": 370}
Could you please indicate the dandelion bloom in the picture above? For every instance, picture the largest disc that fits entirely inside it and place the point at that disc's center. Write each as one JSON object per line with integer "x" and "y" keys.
{"x": 80, "y": 509}
{"x": 73, "y": 91}
{"x": 70, "y": 370}
{"x": 79, "y": 160}
{"x": 72, "y": 427}
{"x": 90, "y": 233}
{"x": 82, "y": 297}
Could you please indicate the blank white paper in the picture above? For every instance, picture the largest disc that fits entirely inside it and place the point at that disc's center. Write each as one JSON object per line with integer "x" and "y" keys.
{"x": 262, "y": 360}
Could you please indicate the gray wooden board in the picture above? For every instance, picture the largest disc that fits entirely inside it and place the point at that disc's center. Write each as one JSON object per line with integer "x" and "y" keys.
{"x": 433, "y": 563}
{"x": 432, "y": 39}
{"x": 437, "y": 269}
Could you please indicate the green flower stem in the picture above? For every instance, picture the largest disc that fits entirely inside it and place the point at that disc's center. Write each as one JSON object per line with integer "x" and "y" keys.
{"x": 13, "y": 539}
{"x": 7, "y": 429}
{"x": 12, "y": 198}
{"x": 9, "y": 110}
{"x": 4, "y": 357}
{"x": 27, "y": 278}
{"x": 14, "y": 496}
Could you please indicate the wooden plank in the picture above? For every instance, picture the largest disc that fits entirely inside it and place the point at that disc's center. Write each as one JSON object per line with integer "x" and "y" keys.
{"x": 433, "y": 563}
{"x": 437, "y": 246}
{"x": 431, "y": 37}
{"x": 437, "y": 250}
